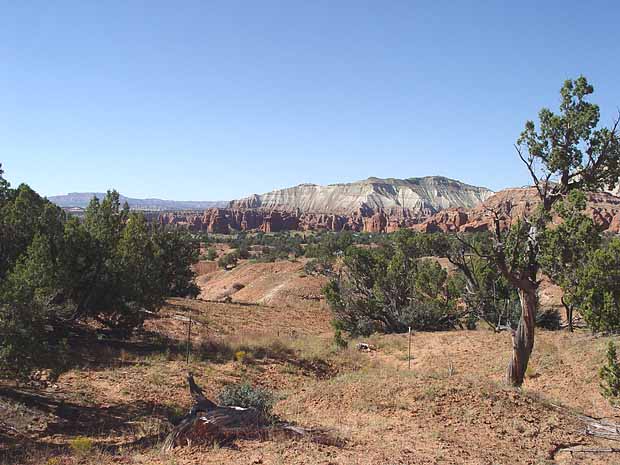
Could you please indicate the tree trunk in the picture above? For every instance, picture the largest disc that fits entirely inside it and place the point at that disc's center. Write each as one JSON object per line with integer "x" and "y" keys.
{"x": 522, "y": 338}
{"x": 569, "y": 314}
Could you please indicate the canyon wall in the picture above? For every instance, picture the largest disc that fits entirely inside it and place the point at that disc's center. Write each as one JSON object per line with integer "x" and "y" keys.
{"x": 508, "y": 205}
{"x": 372, "y": 205}
{"x": 223, "y": 220}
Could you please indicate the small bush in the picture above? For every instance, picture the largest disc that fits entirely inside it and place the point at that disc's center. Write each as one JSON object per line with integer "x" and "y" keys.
{"x": 247, "y": 396}
{"x": 339, "y": 340}
{"x": 243, "y": 252}
{"x": 211, "y": 254}
{"x": 530, "y": 372}
{"x": 243, "y": 357}
{"x": 317, "y": 266}
{"x": 228, "y": 260}
{"x": 610, "y": 374}
{"x": 81, "y": 445}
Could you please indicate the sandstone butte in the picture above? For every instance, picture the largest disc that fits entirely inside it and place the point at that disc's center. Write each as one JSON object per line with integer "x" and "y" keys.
{"x": 382, "y": 205}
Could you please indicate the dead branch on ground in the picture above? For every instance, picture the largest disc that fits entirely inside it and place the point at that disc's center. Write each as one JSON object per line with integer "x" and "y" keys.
{"x": 210, "y": 423}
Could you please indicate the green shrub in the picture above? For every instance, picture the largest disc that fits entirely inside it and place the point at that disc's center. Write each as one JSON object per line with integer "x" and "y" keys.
{"x": 391, "y": 288}
{"x": 211, "y": 254}
{"x": 318, "y": 266}
{"x": 610, "y": 374}
{"x": 228, "y": 260}
{"x": 247, "y": 396}
{"x": 81, "y": 445}
{"x": 244, "y": 252}
{"x": 598, "y": 292}
{"x": 244, "y": 357}
{"x": 24, "y": 340}
{"x": 339, "y": 340}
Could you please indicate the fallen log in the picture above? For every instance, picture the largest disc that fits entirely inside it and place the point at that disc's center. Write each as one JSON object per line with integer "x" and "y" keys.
{"x": 590, "y": 450}
{"x": 597, "y": 427}
{"x": 208, "y": 423}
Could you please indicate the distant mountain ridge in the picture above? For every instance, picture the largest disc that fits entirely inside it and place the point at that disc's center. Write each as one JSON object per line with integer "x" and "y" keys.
{"x": 82, "y": 199}
{"x": 426, "y": 195}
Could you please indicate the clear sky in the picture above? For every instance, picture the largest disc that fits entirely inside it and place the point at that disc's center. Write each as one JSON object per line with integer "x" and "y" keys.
{"x": 213, "y": 100}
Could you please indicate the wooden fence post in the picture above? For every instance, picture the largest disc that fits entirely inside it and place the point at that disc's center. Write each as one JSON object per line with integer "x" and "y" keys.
{"x": 409, "y": 353}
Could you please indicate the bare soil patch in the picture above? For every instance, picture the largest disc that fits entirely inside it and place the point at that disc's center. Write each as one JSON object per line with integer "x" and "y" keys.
{"x": 451, "y": 407}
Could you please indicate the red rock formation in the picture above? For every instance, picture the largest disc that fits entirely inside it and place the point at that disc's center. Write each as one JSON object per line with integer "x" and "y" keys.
{"x": 377, "y": 223}
{"x": 508, "y": 205}
{"x": 511, "y": 204}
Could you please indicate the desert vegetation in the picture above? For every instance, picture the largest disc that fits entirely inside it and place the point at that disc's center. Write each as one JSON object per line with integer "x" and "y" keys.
{"x": 319, "y": 347}
{"x": 567, "y": 155}
{"x": 111, "y": 268}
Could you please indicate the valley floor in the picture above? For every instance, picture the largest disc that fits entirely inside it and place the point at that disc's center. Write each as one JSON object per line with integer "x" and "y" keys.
{"x": 450, "y": 407}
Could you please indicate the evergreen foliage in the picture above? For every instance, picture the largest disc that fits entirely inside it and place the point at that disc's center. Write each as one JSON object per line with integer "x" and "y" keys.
{"x": 211, "y": 254}
{"x": 598, "y": 289}
{"x": 392, "y": 287}
{"x": 247, "y": 396}
{"x": 228, "y": 260}
{"x": 567, "y": 247}
{"x": 55, "y": 270}
{"x": 609, "y": 374}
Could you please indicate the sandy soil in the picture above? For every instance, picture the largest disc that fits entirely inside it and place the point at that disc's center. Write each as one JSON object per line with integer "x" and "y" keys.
{"x": 281, "y": 283}
{"x": 449, "y": 408}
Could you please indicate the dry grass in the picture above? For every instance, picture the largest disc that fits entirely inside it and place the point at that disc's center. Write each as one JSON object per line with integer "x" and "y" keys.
{"x": 451, "y": 407}
{"x": 383, "y": 410}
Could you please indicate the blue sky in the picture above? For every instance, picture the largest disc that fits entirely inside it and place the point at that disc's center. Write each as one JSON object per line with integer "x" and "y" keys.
{"x": 211, "y": 100}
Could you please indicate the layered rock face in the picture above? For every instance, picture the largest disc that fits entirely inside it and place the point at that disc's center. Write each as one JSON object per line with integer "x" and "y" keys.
{"x": 425, "y": 196}
{"x": 373, "y": 205}
{"x": 511, "y": 204}
{"x": 225, "y": 220}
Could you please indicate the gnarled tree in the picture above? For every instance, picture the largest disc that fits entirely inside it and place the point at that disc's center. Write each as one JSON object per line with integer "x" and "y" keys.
{"x": 567, "y": 152}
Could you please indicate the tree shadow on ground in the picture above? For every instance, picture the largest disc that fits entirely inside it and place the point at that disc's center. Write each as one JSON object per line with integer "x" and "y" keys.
{"x": 97, "y": 348}
{"x": 222, "y": 351}
{"x": 68, "y": 419}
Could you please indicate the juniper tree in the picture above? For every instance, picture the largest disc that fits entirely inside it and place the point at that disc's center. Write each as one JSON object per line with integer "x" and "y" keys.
{"x": 568, "y": 151}
{"x": 393, "y": 287}
{"x": 598, "y": 288}
{"x": 566, "y": 247}
{"x": 610, "y": 374}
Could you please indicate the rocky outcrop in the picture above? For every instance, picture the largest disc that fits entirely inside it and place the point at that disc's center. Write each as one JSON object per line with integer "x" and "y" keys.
{"x": 373, "y": 205}
{"x": 224, "y": 220}
{"x": 423, "y": 196}
{"x": 511, "y": 204}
